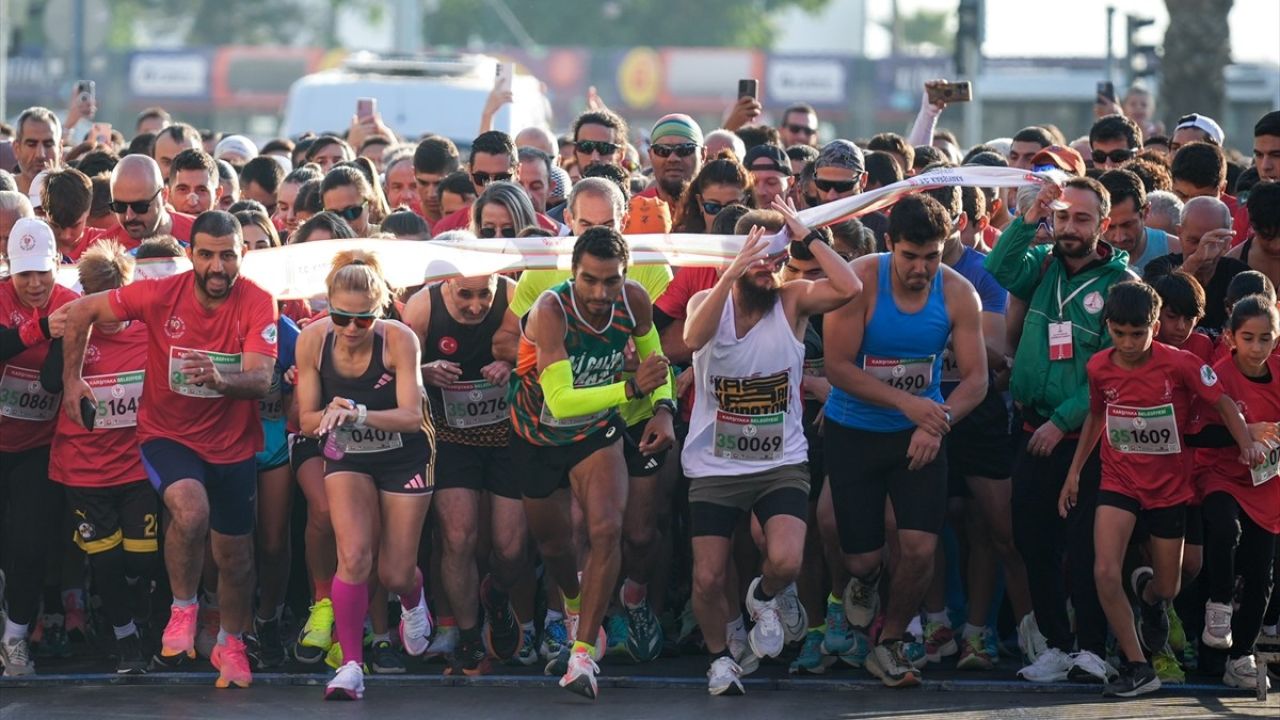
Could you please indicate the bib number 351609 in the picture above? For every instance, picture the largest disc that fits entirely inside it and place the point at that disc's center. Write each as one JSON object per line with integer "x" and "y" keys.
{"x": 1143, "y": 431}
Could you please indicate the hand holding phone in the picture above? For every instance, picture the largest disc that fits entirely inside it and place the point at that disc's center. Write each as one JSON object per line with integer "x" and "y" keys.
{"x": 749, "y": 87}
{"x": 1107, "y": 91}
{"x": 949, "y": 92}
{"x": 88, "y": 412}
{"x": 503, "y": 76}
{"x": 366, "y": 108}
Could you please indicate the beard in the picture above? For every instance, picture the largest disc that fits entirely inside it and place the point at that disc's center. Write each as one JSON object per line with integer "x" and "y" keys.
{"x": 1080, "y": 246}
{"x": 755, "y": 299}
{"x": 203, "y": 282}
{"x": 673, "y": 187}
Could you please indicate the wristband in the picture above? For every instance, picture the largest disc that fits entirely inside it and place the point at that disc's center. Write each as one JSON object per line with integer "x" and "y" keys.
{"x": 33, "y": 332}
{"x": 362, "y": 414}
{"x": 811, "y": 237}
{"x": 633, "y": 389}
{"x": 665, "y": 404}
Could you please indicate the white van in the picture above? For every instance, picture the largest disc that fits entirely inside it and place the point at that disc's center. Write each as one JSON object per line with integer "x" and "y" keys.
{"x": 415, "y": 96}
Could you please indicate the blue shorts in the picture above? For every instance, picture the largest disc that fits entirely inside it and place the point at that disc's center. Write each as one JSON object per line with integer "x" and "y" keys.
{"x": 232, "y": 488}
{"x": 275, "y": 451}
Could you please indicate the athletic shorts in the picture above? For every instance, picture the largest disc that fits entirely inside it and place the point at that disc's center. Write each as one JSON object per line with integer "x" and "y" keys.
{"x": 868, "y": 467}
{"x": 469, "y": 467}
{"x": 1195, "y": 525}
{"x": 275, "y": 452}
{"x": 717, "y": 502}
{"x": 414, "y": 477}
{"x": 302, "y": 449}
{"x": 544, "y": 469}
{"x": 1168, "y": 523}
{"x": 232, "y": 487}
{"x": 980, "y": 445}
{"x": 105, "y": 518}
{"x": 641, "y": 465}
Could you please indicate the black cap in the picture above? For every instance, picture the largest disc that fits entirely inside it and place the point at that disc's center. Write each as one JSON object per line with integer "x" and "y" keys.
{"x": 768, "y": 157}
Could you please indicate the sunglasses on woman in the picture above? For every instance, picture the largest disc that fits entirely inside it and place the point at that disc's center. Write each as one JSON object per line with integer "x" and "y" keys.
{"x": 683, "y": 150}
{"x": 342, "y": 319}
{"x": 493, "y": 232}
{"x": 711, "y": 207}
{"x": 588, "y": 147}
{"x": 350, "y": 213}
{"x": 139, "y": 207}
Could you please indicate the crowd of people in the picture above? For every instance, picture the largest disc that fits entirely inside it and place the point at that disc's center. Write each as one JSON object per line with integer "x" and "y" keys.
{"x": 1038, "y": 423}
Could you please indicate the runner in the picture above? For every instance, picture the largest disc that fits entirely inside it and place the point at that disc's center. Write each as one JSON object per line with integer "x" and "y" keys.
{"x": 746, "y": 450}
{"x": 1140, "y": 395}
{"x": 567, "y": 428}
{"x": 884, "y": 360}
{"x": 212, "y": 344}
{"x": 360, "y": 391}
{"x": 456, "y": 321}
{"x": 112, "y": 506}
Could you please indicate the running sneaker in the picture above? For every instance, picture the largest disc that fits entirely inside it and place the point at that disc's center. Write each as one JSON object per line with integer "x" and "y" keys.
{"x": 811, "y": 660}
{"x": 1052, "y": 665}
{"x": 792, "y": 613}
{"x": 502, "y": 636}
{"x": 1088, "y": 667}
{"x": 384, "y": 658}
{"x": 209, "y": 620}
{"x": 415, "y": 628}
{"x": 15, "y": 656}
{"x": 179, "y": 637}
{"x": 939, "y": 641}
{"x": 231, "y": 661}
{"x": 580, "y": 677}
{"x": 555, "y": 637}
{"x": 347, "y": 683}
{"x": 644, "y": 632}
{"x": 1030, "y": 640}
{"x": 689, "y": 639}
{"x": 53, "y": 640}
{"x": 767, "y": 635}
{"x": 266, "y": 646}
{"x": 856, "y": 655}
{"x": 1167, "y": 668}
{"x": 915, "y": 652}
{"x": 742, "y": 654}
{"x": 725, "y": 677}
{"x": 889, "y": 662}
{"x": 469, "y": 659}
{"x": 1242, "y": 672}
{"x": 975, "y": 652}
{"x": 616, "y": 634}
{"x": 1133, "y": 679}
{"x": 1153, "y": 621}
{"x": 1217, "y": 625}
{"x": 837, "y": 639}
{"x": 316, "y": 636}
{"x": 444, "y": 642}
{"x": 131, "y": 660}
{"x": 1177, "y": 633}
{"x": 528, "y": 653}
{"x": 77, "y": 620}
{"x": 333, "y": 658}
{"x": 558, "y": 665}
{"x": 862, "y": 600}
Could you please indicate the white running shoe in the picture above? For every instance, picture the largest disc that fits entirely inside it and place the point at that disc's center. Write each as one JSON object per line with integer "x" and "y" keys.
{"x": 1030, "y": 639}
{"x": 748, "y": 662}
{"x": 581, "y": 676}
{"x": 1242, "y": 672}
{"x": 1217, "y": 625}
{"x": 795, "y": 621}
{"x": 1090, "y": 665}
{"x": 862, "y": 601}
{"x": 347, "y": 683}
{"x": 767, "y": 636}
{"x": 415, "y": 629}
{"x": 1052, "y": 666}
{"x": 725, "y": 678}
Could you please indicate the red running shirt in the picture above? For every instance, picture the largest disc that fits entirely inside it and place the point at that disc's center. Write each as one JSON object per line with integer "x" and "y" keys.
{"x": 219, "y": 429}
{"x": 114, "y": 366}
{"x": 28, "y": 414}
{"x": 1145, "y": 412}
{"x": 181, "y": 230}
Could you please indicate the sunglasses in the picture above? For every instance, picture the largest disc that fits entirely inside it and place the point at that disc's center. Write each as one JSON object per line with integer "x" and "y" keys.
{"x": 837, "y": 185}
{"x": 801, "y": 129}
{"x": 139, "y": 207}
{"x": 350, "y": 213}
{"x": 342, "y": 319}
{"x": 683, "y": 150}
{"x": 483, "y": 178}
{"x": 711, "y": 207}
{"x": 590, "y": 147}
{"x": 493, "y": 232}
{"x": 1116, "y": 156}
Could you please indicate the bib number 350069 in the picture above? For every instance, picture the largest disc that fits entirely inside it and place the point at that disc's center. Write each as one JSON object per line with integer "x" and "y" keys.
{"x": 749, "y": 437}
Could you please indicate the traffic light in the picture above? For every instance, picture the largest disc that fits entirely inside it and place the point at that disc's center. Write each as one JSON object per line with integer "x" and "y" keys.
{"x": 1141, "y": 59}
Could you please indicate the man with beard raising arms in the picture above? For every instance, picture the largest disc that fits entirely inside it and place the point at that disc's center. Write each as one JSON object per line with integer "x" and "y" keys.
{"x": 211, "y": 356}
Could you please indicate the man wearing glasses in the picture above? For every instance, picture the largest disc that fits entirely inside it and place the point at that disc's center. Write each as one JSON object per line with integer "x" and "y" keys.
{"x": 799, "y": 126}
{"x": 140, "y": 198}
{"x": 599, "y": 137}
{"x": 840, "y": 172}
{"x": 493, "y": 157}
{"x": 676, "y": 152}
{"x": 1114, "y": 140}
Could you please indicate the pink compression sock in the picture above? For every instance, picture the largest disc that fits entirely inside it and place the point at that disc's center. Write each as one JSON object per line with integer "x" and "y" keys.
{"x": 350, "y": 604}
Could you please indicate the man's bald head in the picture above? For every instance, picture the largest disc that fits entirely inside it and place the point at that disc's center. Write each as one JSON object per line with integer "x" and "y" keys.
{"x": 137, "y": 182}
{"x": 137, "y": 171}
{"x": 1209, "y": 212}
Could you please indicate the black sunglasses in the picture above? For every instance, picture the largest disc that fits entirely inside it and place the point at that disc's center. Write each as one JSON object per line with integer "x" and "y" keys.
{"x": 588, "y": 147}
{"x": 138, "y": 207}
{"x": 683, "y": 149}
{"x": 837, "y": 185}
{"x": 712, "y": 207}
{"x": 350, "y": 213}
{"x": 1117, "y": 156}
{"x": 342, "y": 319}
{"x": 484, "y": 178}
{"x": 493, "y": 232}
{"x": 801, "y": 129}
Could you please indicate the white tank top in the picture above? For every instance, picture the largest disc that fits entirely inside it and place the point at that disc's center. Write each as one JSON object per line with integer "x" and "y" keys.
{"x": 748, "y": 409}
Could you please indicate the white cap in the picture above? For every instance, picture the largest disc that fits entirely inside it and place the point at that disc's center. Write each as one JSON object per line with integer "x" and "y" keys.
{"x": 32, "y": 247}
{"x": 238, "y": 145}
{"x": 35, "y": 193}
{"x": 1205, "y": 124}
{"x": 285, "y": 163}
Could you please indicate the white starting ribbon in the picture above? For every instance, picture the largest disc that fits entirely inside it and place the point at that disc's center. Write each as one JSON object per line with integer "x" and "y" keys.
{"x": 299, "y": 271}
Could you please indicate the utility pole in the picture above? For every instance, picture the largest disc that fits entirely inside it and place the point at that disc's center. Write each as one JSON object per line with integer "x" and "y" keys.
{"x": 77, "y": 40}
{"x": 5, "y": 25}
{"x": 1111, "y": 53}
{"x": 968, "y": 60}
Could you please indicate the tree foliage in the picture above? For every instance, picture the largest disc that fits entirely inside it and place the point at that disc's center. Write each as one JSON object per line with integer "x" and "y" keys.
{"x": 1197, "y": 50}
{"x": 928, "y": 29}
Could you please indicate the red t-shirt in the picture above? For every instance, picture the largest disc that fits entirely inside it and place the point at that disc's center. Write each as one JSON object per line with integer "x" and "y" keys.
{"x": 461, "y": 220}
{"x": 1201, "y": 346}
{"x": 181, "y": 230}
{"x": 114, "y": 366}
{"x": 1146, "y": 411}
{"x": 28, "y": 414}
{"x": 1219, "y": 469}
{"x": 219, "y": 429}
{"x": 1239, "y": 218}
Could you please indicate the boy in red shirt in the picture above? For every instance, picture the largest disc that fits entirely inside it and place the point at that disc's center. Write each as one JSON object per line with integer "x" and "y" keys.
{"x": 1140, "y": 394}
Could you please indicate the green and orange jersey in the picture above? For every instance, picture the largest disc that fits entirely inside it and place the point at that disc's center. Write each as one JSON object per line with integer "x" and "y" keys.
{"x": 596, "y": 356}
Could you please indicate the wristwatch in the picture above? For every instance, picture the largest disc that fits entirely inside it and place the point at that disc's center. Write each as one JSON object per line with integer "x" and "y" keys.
{"x": 813, "y": 235}
{"x": 665, "y": 404}
{"x": 633, "y": 389}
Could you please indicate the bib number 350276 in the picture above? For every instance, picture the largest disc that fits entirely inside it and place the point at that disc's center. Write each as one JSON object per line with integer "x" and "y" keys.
{"x": 749, "y": 437}
{"x": 1143, "y": 431}
{"x": 474, "y": 403}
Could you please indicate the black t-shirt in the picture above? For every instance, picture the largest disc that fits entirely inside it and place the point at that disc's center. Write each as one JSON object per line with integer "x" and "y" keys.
{"x": 1215, "y": 294}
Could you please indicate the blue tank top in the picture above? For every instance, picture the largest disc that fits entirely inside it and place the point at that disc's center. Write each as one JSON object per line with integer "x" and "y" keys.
{"x": 1157, "y": 247}
{"x": 901, "y": 349}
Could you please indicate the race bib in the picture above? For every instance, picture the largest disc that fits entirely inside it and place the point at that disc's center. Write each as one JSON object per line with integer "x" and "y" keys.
{"x": 23, "y": 398}
{"x": 1268, "y": 468}
{"x": 913, "y": 375}
{"x": 226, "y": 364}
{"x": 1143, "y": 431}
{"x": 950, "y": 368}
{"x": 271, "y": 407}
{"x": 118, "y": 396}
{"x": 749, "y": 437}
{"x": 474, "y": 403}
{"x": 360, "y": 439}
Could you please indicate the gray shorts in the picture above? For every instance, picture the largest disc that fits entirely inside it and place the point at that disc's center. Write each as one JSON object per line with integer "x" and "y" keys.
{"x": 717, "y": 502}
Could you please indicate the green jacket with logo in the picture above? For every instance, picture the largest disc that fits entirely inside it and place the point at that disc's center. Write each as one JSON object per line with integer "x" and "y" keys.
{"x": 1055, "y": 389}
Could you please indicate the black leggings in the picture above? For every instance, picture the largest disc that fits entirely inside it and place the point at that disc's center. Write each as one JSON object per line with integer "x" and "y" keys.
{"x": 1235, "y": 545}
{"x": 32, "y": 512}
